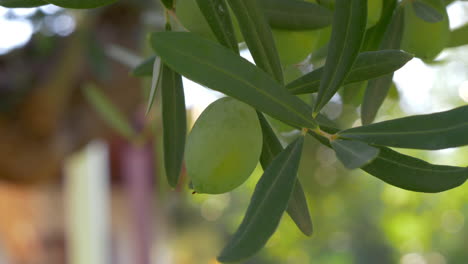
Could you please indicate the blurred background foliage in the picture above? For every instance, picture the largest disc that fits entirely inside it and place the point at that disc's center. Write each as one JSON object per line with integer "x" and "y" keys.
{"x": 44, "y": 119}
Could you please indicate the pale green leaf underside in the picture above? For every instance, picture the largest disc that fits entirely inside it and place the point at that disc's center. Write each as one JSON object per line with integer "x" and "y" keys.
{"x": 426, "y": 12}
{"x": 354, "y": 154}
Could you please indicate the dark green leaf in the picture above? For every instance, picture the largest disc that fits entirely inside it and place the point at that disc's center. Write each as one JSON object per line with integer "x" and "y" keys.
{"x": 349, "y": 25}
{"x": 426, "y": 12}
{"x": 145, "y": 68}
{"x": 297, "y": 206}
{"x": 368, "y": 65}
{"x": 433, "y": 131}
{"x": 169, "y": 4}
{"x": 216, "y": 13}
{"x": 257, "y": 35}
{"x": 408, "y": 172}
{"x": 296, "y": 15}
{"x": 268, "y": 203}
{"x": 22, "y": 3}
{"x": 174, "y": 123}
{"x": 81, "y": 4}
{"x": 377, "y": 89}
{"x": 375, "y": 34}
{"x": 354, "y": 154}
{"x": 156, "y": 72}
{"x": 458, "y": 37}
{"x": 220, "y": 69}
{"x": 109, "y": 112}
{"x": 414, "y": 174}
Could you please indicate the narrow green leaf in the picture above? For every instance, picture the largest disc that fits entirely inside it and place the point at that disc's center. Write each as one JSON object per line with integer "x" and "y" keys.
{"x": 368, "y": 65}
{"x": 413, "y": 174}
{"x": 22, "y": 3}
{"x": 257, "y": 35}
{"x": 432, "y": 131}
{"x": 297, "y": 206}
{"x": 458, "y": 37}
{"x": 216, "y": 13}
{"x": 426, "y": 12}
{"x": 156, "y": 72}
{"x": 296, "y": 15}
{"x": 218, "y": 68}
{"x": 375, "y": 34}
{"x": 109, "y": 112}
{"x": 174, "y": 123}
{"x": 407, "y": 172}
{"x": 81, "y": 4}
{"x": 348, "y": 28}
{"x": 268, "y": 203}
{"x": 145, "y": 68}
{"x": 354, "y": 154}
{"x": 377, "y": 89}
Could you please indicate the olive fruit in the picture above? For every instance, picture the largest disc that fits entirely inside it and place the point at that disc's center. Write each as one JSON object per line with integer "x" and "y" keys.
{"x": 424, "y": 39}
{"x": 293, "y": 45}
{"x": 223, "y": 147}
{"x": 374, "y": 11}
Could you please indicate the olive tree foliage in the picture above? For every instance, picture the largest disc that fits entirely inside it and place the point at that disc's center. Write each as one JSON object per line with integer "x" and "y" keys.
{"x": 361, "y": 41}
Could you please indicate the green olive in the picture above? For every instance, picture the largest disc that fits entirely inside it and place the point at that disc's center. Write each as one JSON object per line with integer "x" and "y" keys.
{"x": 223, "y": 147}
{"x": 294, "y": 46}
{"x": 374, "y": 11}
{"x": 425, "y": 40}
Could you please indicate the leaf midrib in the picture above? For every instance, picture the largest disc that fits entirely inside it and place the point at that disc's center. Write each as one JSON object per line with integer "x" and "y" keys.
{"x": 415, "y": 132}
{"x": 326, "y": 90}
{"x": 269, "y": 190}
{"x": 261, "y": 91}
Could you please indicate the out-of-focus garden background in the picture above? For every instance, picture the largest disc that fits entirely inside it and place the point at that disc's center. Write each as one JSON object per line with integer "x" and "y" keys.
{"x": 73, "y": 191}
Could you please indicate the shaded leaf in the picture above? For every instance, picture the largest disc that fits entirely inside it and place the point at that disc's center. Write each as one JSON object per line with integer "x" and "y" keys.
{"x": 354, "y": 154}
{"x": 22, "y": 3}
{"x": 377, "y": 89}
{"x": 413, "y": 174}
{"x": 169, "y": 4}
{"x": 156, "y": 72}
{"x": 216, "y": 13}
{"x": 375, "y": 34}
{"x": 296, "y": 15}
{"x": 297, "y": 205}
{"x": 432, "y": 131}
{"x": 368, "y": 65}
{"x": 349, "y": 25}
{"x": 426, "y": 12}
{"x": 257, "y": 35}
{"x": 174, "y": 123}
{"x": 218, "y": 68}
{"x": 268, "y": 203}
{"x": 81, "y": 4}
{"x": 145, "y": 68}
{"x": 458, "y": 37}
{"x": 109, "y": 112}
